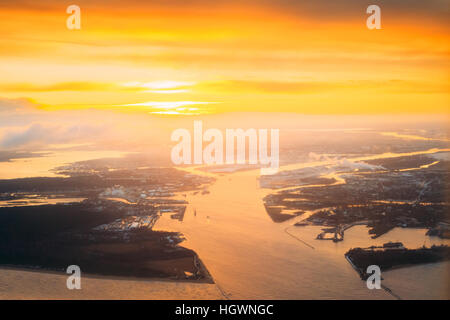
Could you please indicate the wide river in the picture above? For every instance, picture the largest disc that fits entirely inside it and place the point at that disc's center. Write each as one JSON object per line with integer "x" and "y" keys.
{"x": 251, "y": 257}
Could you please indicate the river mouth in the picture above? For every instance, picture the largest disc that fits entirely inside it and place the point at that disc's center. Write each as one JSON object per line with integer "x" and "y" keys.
{"x": 250, "y": 257}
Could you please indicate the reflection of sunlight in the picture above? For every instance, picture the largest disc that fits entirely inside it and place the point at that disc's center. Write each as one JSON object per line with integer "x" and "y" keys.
{"x": 168, "y": 91}
{"x": 172, "y": 107}
{"x": 175, "y": 113}
{"x": 160, "y": 85}
{"x": 411, "y": 136}
{"x": 166, "y": 112}
{"x": 180, "y": 111}
{"x": 166, "y": 104}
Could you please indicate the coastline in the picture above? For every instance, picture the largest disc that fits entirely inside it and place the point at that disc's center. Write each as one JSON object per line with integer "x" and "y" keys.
{"x": 25, "y": 284}
{"x": 207, "y": 280}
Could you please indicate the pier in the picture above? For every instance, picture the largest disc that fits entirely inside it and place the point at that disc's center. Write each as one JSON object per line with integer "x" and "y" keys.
{"x": 338, "y": 231}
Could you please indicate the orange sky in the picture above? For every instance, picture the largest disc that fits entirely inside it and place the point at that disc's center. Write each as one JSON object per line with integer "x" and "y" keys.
{"x": 174, "y": 58}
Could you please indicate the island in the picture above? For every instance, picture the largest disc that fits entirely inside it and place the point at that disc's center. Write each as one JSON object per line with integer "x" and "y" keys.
{"x": 394, "y": 255}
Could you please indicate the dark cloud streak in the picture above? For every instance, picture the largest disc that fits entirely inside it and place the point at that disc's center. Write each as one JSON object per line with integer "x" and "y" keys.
{"x": 315, "y": 9}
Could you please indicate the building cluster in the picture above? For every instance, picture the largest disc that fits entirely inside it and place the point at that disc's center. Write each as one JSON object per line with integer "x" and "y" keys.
{"x": 129, "y": 223}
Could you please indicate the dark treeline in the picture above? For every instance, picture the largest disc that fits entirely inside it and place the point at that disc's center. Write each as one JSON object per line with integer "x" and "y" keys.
{"x": 56, "y": 236}
{"x": 48, "y": 221}
{"x": 388, "y": 259}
